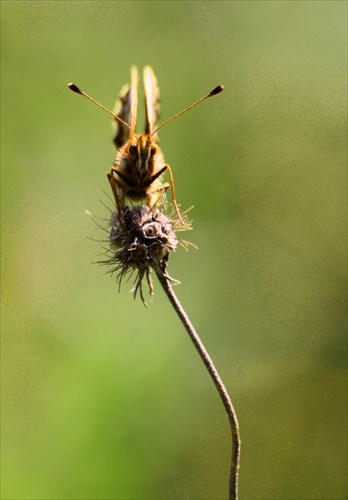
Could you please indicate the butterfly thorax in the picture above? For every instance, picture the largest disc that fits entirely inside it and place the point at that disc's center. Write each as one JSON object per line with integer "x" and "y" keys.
{"x": 137, "y": 164}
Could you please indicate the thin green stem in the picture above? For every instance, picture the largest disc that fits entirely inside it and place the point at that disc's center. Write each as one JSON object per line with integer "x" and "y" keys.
{"x": 233, "y": 485}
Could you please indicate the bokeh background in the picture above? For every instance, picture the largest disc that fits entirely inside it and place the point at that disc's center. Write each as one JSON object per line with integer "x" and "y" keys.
{"x": 104, "y": 398}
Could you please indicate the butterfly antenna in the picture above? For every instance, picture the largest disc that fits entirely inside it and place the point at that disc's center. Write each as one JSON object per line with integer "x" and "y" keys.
{"x": 216, "y": 91}
{"x": 75, "y": 88}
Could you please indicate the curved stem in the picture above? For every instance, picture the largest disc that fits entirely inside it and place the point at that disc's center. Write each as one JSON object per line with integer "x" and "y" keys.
{"x": 233, "y": 485}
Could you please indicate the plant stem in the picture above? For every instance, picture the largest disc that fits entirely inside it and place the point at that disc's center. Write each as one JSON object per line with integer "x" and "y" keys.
{"x": 233, "y": 485}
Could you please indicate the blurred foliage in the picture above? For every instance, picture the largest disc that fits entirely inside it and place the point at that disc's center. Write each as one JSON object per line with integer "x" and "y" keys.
{"x": 103, "y": 398}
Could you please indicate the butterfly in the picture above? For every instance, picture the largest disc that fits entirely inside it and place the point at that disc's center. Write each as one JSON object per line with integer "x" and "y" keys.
{"x": 137, "y": 170}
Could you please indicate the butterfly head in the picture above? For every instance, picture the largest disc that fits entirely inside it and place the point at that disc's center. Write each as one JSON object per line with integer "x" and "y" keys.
{"x": 142, "y": 152}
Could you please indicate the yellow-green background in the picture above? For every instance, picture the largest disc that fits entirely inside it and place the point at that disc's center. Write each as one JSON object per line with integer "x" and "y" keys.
{"x": 104, "y": 399}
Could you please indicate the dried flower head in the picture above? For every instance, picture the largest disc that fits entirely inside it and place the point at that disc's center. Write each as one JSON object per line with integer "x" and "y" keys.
{"x": 141, "y": 240}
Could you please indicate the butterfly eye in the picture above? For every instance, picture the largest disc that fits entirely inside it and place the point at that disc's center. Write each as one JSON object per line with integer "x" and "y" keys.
{"x": 152, "y": 151}
{"x": 133, "y": 152}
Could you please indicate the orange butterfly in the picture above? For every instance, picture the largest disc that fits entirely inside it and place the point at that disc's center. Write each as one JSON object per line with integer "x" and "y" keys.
{"x": 139, "y": 162}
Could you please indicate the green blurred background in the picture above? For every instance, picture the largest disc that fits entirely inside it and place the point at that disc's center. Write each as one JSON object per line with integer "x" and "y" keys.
{"x": 103, "y": 398}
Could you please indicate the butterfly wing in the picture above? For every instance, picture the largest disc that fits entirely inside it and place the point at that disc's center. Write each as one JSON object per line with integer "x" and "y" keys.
{"x": 152, "y": 100}
{"x": 126, "y": 108}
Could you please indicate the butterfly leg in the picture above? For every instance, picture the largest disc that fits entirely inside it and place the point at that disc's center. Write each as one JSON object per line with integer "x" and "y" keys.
{"x": 113, "y": 183}
{"x": 164, "y": 188}
{"x": 176, "y": 207}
